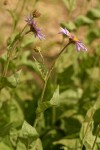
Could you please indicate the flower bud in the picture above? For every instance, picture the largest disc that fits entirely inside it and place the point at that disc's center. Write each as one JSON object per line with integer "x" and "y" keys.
{"x": 5, "y": 2}
{"x": 36, "y": 14}
{"x": 37, "y": 49}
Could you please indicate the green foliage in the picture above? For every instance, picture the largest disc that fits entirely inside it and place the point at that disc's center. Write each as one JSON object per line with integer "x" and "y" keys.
{"x": 41, "y": 69}
{"x": 54, "y": 101}
{"x": 24, "y": 138}
{"x": 91, "y": 122}
{"x": 14, "y": 17}
{"x": 93, "y": 34}
{"x": 70, "y": 26}
{"x": 43, "y": 108}
{"x": 70, "y": 4}
{"x": 93, "y": 14}
{"x": 83, "y": 20}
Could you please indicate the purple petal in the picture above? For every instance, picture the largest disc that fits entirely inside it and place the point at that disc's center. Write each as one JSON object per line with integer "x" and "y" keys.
{"x": 28, "y": 19}
{"x": 78, "y": 47}
{"x": 40, "y": 36}
{"x": 64, "y": 31}
{"x": 82, "y": 46}
{"x": 34, "y": 28}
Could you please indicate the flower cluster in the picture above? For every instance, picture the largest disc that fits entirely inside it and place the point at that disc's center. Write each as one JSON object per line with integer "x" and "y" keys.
{"x": 79, "y": 44}
{"x": 33, "y": 27}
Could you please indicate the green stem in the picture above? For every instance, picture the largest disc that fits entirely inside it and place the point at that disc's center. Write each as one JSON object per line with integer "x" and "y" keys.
{"x": 53, "y": 115}
{"x": 87, "y": 128}
{"x": 7, "y": 63}
{"x": 47, "y": 77}
{"x": 98, "y": 130}
{"x": 49, "y": 72}
{"x": 9, "y": 54}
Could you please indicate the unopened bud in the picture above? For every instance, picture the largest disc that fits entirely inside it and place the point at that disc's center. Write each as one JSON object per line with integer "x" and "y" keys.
{"x": 5, "y": 2}
{"x": 37, "y": 49}
{"x": 36, "y": 14}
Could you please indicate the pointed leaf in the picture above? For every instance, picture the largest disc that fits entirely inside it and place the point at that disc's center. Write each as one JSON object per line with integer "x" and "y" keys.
{"x": 55, "y": 99}
{"x": 28, "y": 131}
{"x": 53, "y": 102}
{"x": 41, "y": 69}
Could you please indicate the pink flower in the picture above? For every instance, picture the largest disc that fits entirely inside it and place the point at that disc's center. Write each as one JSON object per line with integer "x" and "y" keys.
{"x": 79, "y": 44}
{"x": 33, "y": 27}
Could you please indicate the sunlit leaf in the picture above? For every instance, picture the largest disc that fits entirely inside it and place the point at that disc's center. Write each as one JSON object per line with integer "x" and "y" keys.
{"x": 28, "y": 137}
{"x": 37, "y": 145}
{"x": 69, "y": 143}
{"x": 28, "y": 131}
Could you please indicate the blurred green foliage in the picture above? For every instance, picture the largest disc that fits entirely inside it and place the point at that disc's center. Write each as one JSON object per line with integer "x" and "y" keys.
{"x": 69, "y": 116}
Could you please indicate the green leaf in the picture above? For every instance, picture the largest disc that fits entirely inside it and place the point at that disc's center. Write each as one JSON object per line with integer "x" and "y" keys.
{"x": 11, "y": 40}
{"x": 53, "y": 102}
{"x": 86, "y": 133}
{"x": 69, "y": 143}
{"x": 94, "y": 13}
{"x": 27, "y": 62}
{"x": 41, "y": 68}
{"x": 71, "y": 95}
{"x": 96, "y": 118}
{"x": 64, "y": 148}
{"x": 11, "y": 81}
{"x": 93, "y": 34}
{"x": 27, "y": 137}
{"x": 27, "y": 41}
{"x": 27, "y": 131}
{"x": 37, "y": 145}
{"x": 86, "y": 130}
{"x": 43, "y": 106}
{"x": 4, "y": 82}
{"x": 4, "y": 131}
{"x": 83, "y": 20}
{"x": 16, "y": 113}
{"x": 95, "y": 72}
{"x": 55, "y": 99}
{"x": 70, "y": 25}
{"x": 3, "y": 146}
